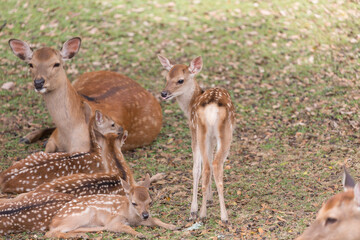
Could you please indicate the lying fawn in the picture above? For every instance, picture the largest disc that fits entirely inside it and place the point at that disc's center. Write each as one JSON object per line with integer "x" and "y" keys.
{"x": 32, "y": 212}
{"x": 41, "y": 167}
{"x": 116, "y": 95}
{"x": 106, "y": 212}
{"x": 211, "y": 120}
{"x": 339, "y": 217}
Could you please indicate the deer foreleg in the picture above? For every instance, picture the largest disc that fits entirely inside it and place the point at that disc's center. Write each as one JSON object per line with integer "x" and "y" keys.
{"x": 151, "y": 222}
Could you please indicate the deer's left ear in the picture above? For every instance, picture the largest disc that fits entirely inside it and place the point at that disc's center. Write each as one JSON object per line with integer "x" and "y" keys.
{"x": 125, "y": 185}
{"x": 70, "y": 48}
{"x": 21, "y": 49}
{"x": 146, "y": 182}
{"x": 124, "y": 137}
{"x": 99, "y": 117}
{"x": 196, "y": 65}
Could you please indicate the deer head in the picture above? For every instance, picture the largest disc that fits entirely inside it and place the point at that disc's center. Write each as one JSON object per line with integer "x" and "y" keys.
{"x": 339, "y": 217}
{"x": 46, "y": 64}
{"x": 180, "y": 78}
{"x": 139, "y": 197}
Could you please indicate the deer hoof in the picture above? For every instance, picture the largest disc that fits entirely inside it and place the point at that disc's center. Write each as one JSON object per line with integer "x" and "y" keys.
{"x": 225, "y": 222}
{"x": 209, "y": 202}
{"x": 193, "y": 216}
{"x": 141, "y": 236}
{"x": 24, "y": 140}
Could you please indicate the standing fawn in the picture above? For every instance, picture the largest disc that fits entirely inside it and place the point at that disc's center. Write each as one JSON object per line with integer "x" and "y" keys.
{"x": 41, "y": 167}
{"x": 210, "y": 115}
{"x": 106, "y": 212}
{"x": 339, "y": 217}
{"x": 32, "y": 212}
{"x": 116, "y": 95}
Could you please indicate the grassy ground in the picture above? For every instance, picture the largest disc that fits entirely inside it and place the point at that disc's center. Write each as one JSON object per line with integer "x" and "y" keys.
{"x": 291, "y": 68}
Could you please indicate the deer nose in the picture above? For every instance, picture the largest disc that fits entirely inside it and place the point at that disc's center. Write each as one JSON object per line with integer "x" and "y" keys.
{"x": 145, "y": 215}
{"x": 39, "y": 83}
{"x": 164, "y": 94}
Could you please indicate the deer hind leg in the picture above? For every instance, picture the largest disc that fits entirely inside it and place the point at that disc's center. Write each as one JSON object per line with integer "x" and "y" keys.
{"x": 210, "y": 154}
{"x": 36, "y": 135}
{"x": 204, "y": 143}
{"x": 224, "y": 136}
{"x": 196, "y": 176}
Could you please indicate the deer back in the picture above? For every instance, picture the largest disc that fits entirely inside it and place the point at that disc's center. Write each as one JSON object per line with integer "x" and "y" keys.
{"x": 33, "y": 212}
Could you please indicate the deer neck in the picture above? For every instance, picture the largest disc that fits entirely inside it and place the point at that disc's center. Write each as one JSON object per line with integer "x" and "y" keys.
{"x": 64, "y": 106}
{"x": 187, "y": 99}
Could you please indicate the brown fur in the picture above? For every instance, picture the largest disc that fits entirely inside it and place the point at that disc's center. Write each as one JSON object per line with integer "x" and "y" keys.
{"x": 131, "y": 106}
{"x": 211, "y": 116}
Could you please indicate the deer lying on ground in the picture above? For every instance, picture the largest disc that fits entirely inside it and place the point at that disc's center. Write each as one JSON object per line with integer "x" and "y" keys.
{"x": 41, "y": 167}
{"x": 32, "y": 212}
{"x": 211, "y": 116}
{"x": 339, "y": 217}
{"x": 106, "y": 212}
{"x": 116, "y": 95}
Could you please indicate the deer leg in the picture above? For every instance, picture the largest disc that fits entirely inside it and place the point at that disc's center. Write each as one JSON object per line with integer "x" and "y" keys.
{"x": 51, "y": 144}
{"x": 36, "y": 135}
{"x": 223, "y": 145}
{"x": 151, "y": 222}
{"x": 67, "y": 235}
{"x": 117, "y": 226}
{"x": 196, "y": 176}
{"x": 210, "y": 152}
{"x": 204, "y": 145}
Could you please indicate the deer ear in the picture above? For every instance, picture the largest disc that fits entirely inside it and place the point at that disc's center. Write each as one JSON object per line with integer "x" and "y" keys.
{"x": 87, "y": 111}
{"x": 165, "y": 62}
{"x": 125, "y": 185}
{"x": 99, "y": 117}
{"x": 70, "y": 48}
{"x": 357, "y": 194}
{"x": 146, "y": 182}
{"x": 196, "y": 65}
{"x": 21, "y": 49}
{"x": 124, "y": 137}
{"x": 348, "y": 181}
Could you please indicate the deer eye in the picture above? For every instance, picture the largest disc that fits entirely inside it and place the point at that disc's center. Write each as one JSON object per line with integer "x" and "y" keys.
{"x": 330, "y": 220}
{"x": 30, "y": 65}
{"x": 56, "y": 65}
{"x": 181, "y": 81}
{"x": 134, "y": 204}
{"x": 113, "y": 125}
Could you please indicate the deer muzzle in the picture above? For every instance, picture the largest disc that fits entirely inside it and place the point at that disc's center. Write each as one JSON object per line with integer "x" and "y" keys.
{"x": 39, "y": 83}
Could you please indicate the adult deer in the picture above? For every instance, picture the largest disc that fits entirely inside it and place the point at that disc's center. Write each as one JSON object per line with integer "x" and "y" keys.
{"x": 339, "y": 217}
{"x": 106, "y": 212}
{"x": 211, "y": 116}
{"x": 116, "y": 95}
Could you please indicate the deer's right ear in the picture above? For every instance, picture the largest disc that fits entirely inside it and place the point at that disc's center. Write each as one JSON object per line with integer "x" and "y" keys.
{"x": 21, "y": 49}
{"x": 348, "y": 181}
{"x": 70, "y": 48}
{"x": 98, "y": 117}
{"x": 357, "y": 194}
{"x": 165, "y": 62}
{"x": 125, "y": 186}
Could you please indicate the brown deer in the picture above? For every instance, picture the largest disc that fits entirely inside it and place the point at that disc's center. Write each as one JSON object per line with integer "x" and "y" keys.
{"x": 106, "y": 212}
{"x": 41, "y": 167}
{"x": 116, "y": 95}
{"x": 32, "y": 212}
{"x": 210, "y": 115}
{"x": 339, "y": 217}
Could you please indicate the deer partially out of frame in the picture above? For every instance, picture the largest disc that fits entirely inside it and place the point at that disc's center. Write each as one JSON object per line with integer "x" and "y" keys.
{"x": 106, "y": 212}
{"x": 211, "y": 116}
{"x": 339, "y": 217}
{"x": 116, "y": 95}
{"x": 32, "y": 212}
{"x": 38, "y": 168}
